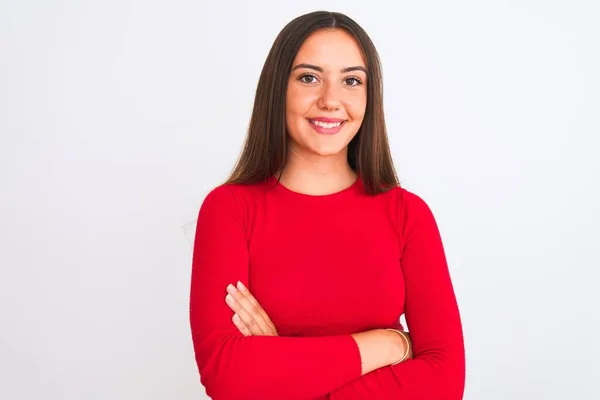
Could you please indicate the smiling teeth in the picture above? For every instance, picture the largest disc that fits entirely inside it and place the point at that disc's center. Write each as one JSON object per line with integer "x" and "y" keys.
{"x": 326, "y": 125}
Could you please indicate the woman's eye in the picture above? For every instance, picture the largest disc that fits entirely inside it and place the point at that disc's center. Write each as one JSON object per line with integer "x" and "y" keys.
{"x": 307, "y": 78}
{"x": 353, "y": 81}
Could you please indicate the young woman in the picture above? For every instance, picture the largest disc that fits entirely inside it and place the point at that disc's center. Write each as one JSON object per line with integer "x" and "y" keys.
{"x": 306, "y": 258}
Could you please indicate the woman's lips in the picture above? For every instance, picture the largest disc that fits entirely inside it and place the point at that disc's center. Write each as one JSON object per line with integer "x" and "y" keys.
{"x": 326, "y": 128}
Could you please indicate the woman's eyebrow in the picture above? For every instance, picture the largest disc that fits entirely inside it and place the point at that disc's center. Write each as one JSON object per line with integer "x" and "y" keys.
{"x": 343, "y": 70}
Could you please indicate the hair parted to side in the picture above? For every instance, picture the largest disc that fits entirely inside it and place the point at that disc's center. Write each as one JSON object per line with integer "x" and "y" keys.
{"x": 265, "y": 149}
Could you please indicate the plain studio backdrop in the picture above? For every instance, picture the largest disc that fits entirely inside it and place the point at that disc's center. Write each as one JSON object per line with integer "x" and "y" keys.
{"x": 118, "y": 117}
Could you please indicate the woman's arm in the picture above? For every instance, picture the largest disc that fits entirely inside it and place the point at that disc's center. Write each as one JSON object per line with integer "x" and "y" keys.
{"x": 437, "y": 370}
{"x": 233, "y": 366}
{"x": 378, "y": 345}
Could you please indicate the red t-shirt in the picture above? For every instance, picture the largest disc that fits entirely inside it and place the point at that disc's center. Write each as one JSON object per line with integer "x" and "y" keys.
{"x": 323, "y": 267}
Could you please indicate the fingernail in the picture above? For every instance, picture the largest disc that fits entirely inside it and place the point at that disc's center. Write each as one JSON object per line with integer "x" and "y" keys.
{"x": 241, "y": 286}
{"x": 236, "y": 318}
{"x": 231, "y": 288}
{"x": 229, "y": 299}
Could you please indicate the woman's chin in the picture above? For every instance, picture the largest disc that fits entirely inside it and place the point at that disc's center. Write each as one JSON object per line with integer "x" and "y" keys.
{"x": 329, "y": 151}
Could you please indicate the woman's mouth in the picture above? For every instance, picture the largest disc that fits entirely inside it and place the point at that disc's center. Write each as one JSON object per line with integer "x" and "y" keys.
{"x": 327, "y": 128}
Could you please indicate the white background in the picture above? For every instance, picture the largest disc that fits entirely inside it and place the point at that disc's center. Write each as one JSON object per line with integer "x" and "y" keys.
{"x": 117, "y": 117}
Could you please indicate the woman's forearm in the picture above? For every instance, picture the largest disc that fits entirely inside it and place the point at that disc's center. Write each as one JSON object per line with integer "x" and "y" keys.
{"x": 379, "y": 348}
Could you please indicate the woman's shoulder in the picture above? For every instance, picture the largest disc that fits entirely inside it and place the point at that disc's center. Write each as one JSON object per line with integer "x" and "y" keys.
{"x": 235, "y": 194}
{"x": 244, "y": 190}
{"x": 403, "y": 197}
{"x": 409, "y": 205}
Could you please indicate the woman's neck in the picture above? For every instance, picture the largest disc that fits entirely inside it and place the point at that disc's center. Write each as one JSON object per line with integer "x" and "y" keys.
{"x": 317, "y": 175}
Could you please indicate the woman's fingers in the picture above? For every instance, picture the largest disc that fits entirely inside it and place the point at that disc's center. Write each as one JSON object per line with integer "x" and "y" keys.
{"x": 237, "y": 321}
{"x": 251, "y": 314}
{"x": 244, "y": 290}
{"x": 248, "y": 313}
{"x": 246, "y": 318}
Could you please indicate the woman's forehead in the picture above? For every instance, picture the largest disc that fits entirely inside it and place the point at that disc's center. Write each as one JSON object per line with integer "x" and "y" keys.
{"x": 330, "y": 49}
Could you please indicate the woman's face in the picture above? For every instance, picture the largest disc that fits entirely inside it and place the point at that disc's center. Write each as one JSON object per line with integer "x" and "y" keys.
{"x": 326, "y": 94}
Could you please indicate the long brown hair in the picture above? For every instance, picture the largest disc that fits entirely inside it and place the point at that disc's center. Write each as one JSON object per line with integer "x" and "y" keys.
{"x": 265, "y": 148}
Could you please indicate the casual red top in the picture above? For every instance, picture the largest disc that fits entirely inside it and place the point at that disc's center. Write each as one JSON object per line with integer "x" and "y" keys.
{"x": 323, "y": 267}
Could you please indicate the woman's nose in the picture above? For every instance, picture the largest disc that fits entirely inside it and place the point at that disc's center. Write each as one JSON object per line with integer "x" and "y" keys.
{"x": 330, "y": 97}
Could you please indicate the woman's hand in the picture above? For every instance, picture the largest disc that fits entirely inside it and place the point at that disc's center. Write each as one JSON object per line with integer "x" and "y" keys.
{"x": 249, "y": 317}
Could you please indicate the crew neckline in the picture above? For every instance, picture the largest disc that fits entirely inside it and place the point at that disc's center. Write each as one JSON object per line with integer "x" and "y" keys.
{"x": 275, "y": 184}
